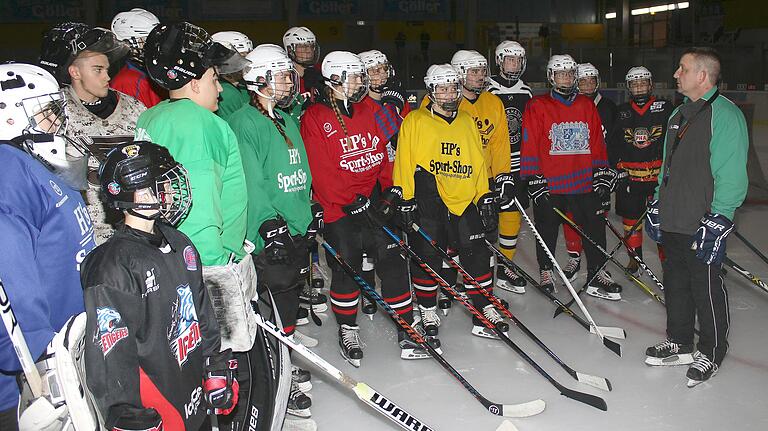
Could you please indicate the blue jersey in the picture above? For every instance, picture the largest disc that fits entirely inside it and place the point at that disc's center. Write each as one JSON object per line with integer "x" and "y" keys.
{"x": 46, "y": 233}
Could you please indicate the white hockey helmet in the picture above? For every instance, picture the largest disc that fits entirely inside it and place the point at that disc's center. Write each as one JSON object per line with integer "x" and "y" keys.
{"x": 374, "y": 59}
{"x": 133, "y": 27}
{"x": 267, "y": 62}
{"x": 339, "y": 70}
{"x": 510, "y": 48}
{"x": 235, "y": 40}
{"x": 464, "y": 61}
{"x": 443, "y": 86}
{"x": 301, "y": 36}
{"x": 587, "y": 70}
{"x": 562, "y": 63}
{"x": 32, "y": 106}
{"x": 635, "y": 74}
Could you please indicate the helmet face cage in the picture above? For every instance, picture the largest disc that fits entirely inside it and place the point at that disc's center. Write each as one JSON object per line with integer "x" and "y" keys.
{"x": 512, "y": 75}
{"x": 446, "y": 95}
{"x": 635, "y": 75}
{"x": 378, "y": 76}
{"x": 470, "y": 70}
{"x": 559, "y": 66}
{"x": 282, "y": 95}
{"x": 298, "y": 53}
{"x": 174, "y": 194}
{"x": 46, "y": 113}
{"x": 584, "y": 72}
{"x": 350, "y": 90}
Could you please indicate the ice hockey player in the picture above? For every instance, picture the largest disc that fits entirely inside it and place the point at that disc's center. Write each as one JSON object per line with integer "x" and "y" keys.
{"x": 133, "y": 27}
{"x": 635, "y": 150}
{"x": 301, "y": 45}
{"x": 564, "y": 157}
{"x": 514, "y": 94}
{"x": 350, "y": 173}
{"x": 705, "y": 150}
{"x": 183, "y": 59}
{"x": 384, "y": 90}
{"x": 442, "y": 171}
{"x": 233, "y": 95}
{"x": 41, "y": 215}
{"x": 588, "y": 84}
{"x": 150, "y": 328}
{"x": 280, "y": 214}
{"x": 94, "y": 111}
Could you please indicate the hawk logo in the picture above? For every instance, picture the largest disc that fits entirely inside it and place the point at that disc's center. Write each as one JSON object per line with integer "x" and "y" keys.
{"x": 184, "y": 332}
{"x": 110, "y": 329}
{"x": 130, "y": 150}
{"x": 514, "y": 122}
{"x": 641, "y": 137}
{"x": 571, "y": 137}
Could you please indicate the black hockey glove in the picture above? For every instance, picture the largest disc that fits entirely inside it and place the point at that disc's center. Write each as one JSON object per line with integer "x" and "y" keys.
{"x": 129, "y": 418}
{"x": 386, "y": 207}
{"x": 392, "y": 93}
{"x": 358, "y": 209}
{"x": 220, "y": 385}
{"x": 317, "y": 224}
{"x": 622, "y": 180}
{"x": 408, "y": 214}
{"x": 538, "y": 190}
{"x": 486, "y": 206}
{"x": 709, "y": 239}
{"x": 278, "y": 244}
{"x": 604, "y": 181}
{"x": 504, "y": 186}
{"x": 653, "y": 221}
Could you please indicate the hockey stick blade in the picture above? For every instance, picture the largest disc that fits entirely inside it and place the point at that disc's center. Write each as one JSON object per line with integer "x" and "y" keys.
{"x": 594, "y": 381}
{"x": 588, "y": 399}
{"x": 388, "y": 408}
{"x": 524, "y": 410}
{"x": 614, "y": 346}
{"x": 610, "y": 331}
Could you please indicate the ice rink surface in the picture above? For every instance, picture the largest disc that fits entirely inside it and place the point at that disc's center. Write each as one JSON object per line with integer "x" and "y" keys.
{"x": 643, "y": 398}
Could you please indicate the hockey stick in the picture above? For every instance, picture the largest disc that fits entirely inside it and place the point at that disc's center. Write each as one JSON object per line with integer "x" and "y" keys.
{"x": 627, "y": 272}
{"x": 748, "y": 275}
{"x": 592, "y": 400}
{"x": 608, "y": 331}
{"x": 509, "y": 410}
{"x": 633, "y": 254}
{"x": 614, "y": 346}
{"x": 595, "y": 381}
{"x": 364, "y": 392}
{"x": 607, "y": 259}
{"x": 750, "y": 246}
{"x": 19, "y": 344}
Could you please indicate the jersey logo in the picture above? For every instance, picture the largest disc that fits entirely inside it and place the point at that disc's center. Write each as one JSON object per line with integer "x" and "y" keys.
{"x": 360, "y": 152}
{"x": 110, "y": 329}
{"x": 151, "y": 283}
{"x": 184, "y": 332}
{"x": 190, "y": 259}
{"x": 486, "y": 128}
{"x": 657, "y": 106}
{"x": 295, "y": 182}
{"x": 641, "y": 137}
{"x": 514, "y": 123}
{"x": 571, "y": 137}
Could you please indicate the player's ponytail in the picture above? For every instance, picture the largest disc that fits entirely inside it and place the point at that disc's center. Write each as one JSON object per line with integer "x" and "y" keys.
{"x": 335, "y": 107}
{"x": 257, "y": 104}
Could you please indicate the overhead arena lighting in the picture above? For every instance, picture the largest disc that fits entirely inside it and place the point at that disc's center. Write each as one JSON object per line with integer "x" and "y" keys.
{"x": 652, "y": 9}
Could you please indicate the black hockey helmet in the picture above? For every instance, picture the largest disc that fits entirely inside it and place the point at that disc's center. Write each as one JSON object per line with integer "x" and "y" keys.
{"x": 175, "y": 54}
{"x": 141, "y": 165}
{"x": 64, "y": 42}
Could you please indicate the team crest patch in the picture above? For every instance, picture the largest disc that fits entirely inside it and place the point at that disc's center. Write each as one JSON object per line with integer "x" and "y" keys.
{"x": 571, "y": 137}
{"x": 184, "y": 332}
{"x": 171, "y": 74}
{"x": 113, "y": 188}
{"x": 190, "y": 259}
{"x": 111, "y": 329}
{"x": 131, "y": 150}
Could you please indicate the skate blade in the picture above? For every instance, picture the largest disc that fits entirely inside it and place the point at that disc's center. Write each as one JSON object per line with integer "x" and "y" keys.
{"x": 320, "y": 308}
{"x": 445, "y": 311}
{"x": 354, "y": 362}
{"x": 670, "y": 361}
{"x": 693, "y": 383}
{"x": 412, "y": 354}
{"x": 597, "y": 293}
{"x": 509, "y": 287}
{"x": 302, "y": 322}
{"x": 484, "y": 332}
{"x": 300, "y": 413}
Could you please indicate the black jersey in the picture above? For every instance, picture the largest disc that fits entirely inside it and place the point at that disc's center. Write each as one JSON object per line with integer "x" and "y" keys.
{"x": 514, "y": 95}
{"x": 607, "y": 110}
{"x": 150, "y": 326}
{"x": 637, "y": 141}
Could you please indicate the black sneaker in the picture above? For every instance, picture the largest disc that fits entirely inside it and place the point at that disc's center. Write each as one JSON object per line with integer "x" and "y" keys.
{"x": 298, "y": 402}
{"x": 669, "y": 353}
{"x": 311, "y": 297}
{"x": 509, "y": 280}
{"x": 701, "y": 370}
{"x": 572, "y": 267}
{"x": 603, "y": 286}
{"x": 349, "y": 342}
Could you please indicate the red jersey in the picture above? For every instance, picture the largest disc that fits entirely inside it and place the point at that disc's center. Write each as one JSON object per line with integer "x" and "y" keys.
{"x": 344, "y": 166}
{"x": 562, "y": 140}
{"x": 134, "y": 81}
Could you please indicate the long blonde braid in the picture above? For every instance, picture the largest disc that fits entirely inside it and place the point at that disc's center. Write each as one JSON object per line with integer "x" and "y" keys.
{"x": 256, "y": 104}
{"x": 335, "y": 107}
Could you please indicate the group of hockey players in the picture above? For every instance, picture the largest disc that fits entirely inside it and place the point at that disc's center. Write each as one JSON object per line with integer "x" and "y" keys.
{"x": 210, "y": 168}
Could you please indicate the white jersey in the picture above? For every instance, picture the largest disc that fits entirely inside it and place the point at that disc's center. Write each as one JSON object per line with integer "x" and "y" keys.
{"x": 118, "y": 127}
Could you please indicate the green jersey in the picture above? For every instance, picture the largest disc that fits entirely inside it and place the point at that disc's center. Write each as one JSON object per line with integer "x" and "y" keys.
{"x": 205, "y": 145}
{"x": 231, "y": 99}
{"x": 278, "y": 176}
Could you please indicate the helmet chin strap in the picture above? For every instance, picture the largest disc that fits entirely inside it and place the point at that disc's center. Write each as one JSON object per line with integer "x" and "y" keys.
{"x": 153, "y": 217}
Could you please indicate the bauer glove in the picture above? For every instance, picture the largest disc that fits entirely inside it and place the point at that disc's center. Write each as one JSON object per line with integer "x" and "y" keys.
{"x": 653, "y": 221}
{"x": 709, "y": 239}
{"x": 538, "y": 190}
{"x": 504, "y": 185}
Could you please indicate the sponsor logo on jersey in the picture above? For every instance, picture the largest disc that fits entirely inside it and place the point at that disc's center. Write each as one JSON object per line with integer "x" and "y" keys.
{"x": 360, "y": 152}
{"x": 294, "y": 182}
{"x": 55, "y": 187}
{"x": 190, "y": 259}
{"x": 623, "y": 115}
{"x": 641, "y": 137}
{"x": 571, "y": 137}
{"x": 514, "y": 123}
{"x": 657, "y": 106}
{"x": 486, "y": 128}
{"x": 150, "y": 283}
{"x": 190, "y": 408}
{"x": 110, "y": 329}
{"x": 327, "y": 127}
{"x": 454, "y": 169}
{"x": 184, "y": 332}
